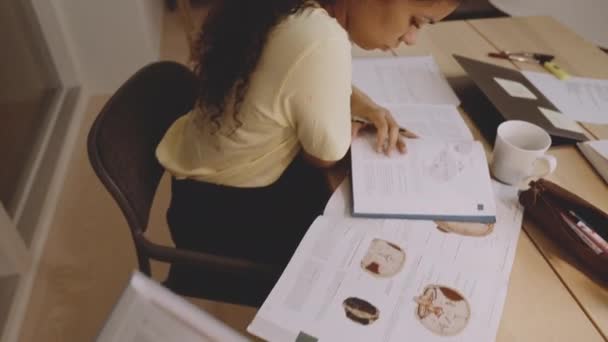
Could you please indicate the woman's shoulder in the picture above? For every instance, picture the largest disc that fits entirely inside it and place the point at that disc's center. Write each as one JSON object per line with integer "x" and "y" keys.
{"x": 307, "y": 27}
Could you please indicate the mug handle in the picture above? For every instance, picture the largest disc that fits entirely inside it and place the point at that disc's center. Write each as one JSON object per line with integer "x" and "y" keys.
{"x": 550, "y": 166}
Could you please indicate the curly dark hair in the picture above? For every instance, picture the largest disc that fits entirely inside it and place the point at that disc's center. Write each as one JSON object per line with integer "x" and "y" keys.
{"x": 230, "y": 45}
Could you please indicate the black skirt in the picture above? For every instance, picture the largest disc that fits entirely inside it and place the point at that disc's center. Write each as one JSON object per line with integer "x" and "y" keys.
{"x": 261, "y": 224}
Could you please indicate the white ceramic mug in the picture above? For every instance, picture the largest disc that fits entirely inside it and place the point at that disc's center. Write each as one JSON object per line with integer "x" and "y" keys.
{"x": 520, "y": 153}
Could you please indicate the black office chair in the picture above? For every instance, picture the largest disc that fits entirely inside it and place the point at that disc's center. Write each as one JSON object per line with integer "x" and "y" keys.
{"x": 121, "y": 146}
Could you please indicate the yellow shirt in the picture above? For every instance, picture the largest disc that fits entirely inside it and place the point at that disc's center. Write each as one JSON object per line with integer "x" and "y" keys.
{"x": 298, "y": 97}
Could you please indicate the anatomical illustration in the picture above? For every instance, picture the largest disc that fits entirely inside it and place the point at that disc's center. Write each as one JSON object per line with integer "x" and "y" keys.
{"x": 383, "y": 259}
{"x": 442, "y": 310}
{"x": 449, "y": 163}
{"x": 360, "y": 311}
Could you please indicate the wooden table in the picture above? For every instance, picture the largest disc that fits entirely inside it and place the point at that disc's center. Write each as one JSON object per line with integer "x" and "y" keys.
{"x": 548, "y": 299}
{"x": 580, "y": 58}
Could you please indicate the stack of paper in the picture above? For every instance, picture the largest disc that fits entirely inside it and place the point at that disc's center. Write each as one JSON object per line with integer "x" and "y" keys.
{"x": 597, "y": 154}
{"x": 581, "y": 99}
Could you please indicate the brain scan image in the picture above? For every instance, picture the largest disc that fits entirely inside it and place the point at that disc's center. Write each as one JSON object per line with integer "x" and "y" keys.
{"x": 383, "y": 259}
{"x": 442, "y": 310}
{"x": 360, "y": 311}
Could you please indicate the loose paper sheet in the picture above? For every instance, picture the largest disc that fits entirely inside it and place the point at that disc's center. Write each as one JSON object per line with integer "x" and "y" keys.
{"x": 581, "y": 99}
{"x": 601, "y": 147}
{"x": 596, "y": 153}
{"x": 403, "y": 80}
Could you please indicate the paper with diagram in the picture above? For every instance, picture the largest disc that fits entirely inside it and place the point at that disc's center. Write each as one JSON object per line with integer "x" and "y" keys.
{"x": 433, "y": 180}
{"x": 390, "y": 280}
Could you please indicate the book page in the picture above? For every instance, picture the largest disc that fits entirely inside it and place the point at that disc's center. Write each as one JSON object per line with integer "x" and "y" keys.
{"x": 581, "y": 99}
{"x": 403, "y": 80}
{"x": 434, "y": 179}
{"x": 441, "y": 123}
{"x": 394, "y": 280}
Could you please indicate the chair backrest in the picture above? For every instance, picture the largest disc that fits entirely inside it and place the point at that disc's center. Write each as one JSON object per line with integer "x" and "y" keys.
{"x": 123, "y": 139}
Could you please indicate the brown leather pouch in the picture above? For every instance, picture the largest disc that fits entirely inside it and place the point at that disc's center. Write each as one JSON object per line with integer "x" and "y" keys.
{"x": 544, "y": 203}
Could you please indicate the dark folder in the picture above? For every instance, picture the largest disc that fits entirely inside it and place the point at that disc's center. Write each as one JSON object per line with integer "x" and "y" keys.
{"x": 514, "y": 108}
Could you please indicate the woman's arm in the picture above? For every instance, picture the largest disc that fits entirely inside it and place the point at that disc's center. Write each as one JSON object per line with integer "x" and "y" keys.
{"x": 320, "y": 163}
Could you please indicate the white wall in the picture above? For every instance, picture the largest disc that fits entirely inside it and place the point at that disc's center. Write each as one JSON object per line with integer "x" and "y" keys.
{"x": 24, "y": 81}
{"x": 585, "y": 17}
{"x": 153, "y": 14}
{"x": 111, "y": 39}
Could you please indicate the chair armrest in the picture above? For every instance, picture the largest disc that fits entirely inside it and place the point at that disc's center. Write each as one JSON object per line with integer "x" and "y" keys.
{"x": 213, "y": 262}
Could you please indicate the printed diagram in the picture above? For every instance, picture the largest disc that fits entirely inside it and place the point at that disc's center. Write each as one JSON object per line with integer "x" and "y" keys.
{"x": 466, "y": 228}
{"x": 360, "y": 311}
{"x": 449, "y": 163}
{"x": 463, "y": 148}
{"x": 383, "y": 259}
{"x": 442, "y": 310}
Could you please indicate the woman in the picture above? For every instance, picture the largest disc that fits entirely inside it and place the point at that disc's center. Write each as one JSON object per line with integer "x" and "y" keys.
{"x": 274, "y": 108}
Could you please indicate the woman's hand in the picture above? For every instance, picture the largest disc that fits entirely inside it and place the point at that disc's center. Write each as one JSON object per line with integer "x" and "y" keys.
{"x": 388, "y": 137}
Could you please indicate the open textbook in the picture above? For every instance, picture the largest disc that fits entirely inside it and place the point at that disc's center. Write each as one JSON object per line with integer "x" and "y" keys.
{"x": 444, "y": 174}
{"x": 354, "y": 279}
{"x": 148, "y": 312}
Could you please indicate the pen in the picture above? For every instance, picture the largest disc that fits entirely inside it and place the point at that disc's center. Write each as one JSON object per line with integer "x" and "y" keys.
{"x": 406, "y": 133}
{"x": 576, "y": 229}
{"x": 592, "y": 234}
{"x": 545, "y": 60}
